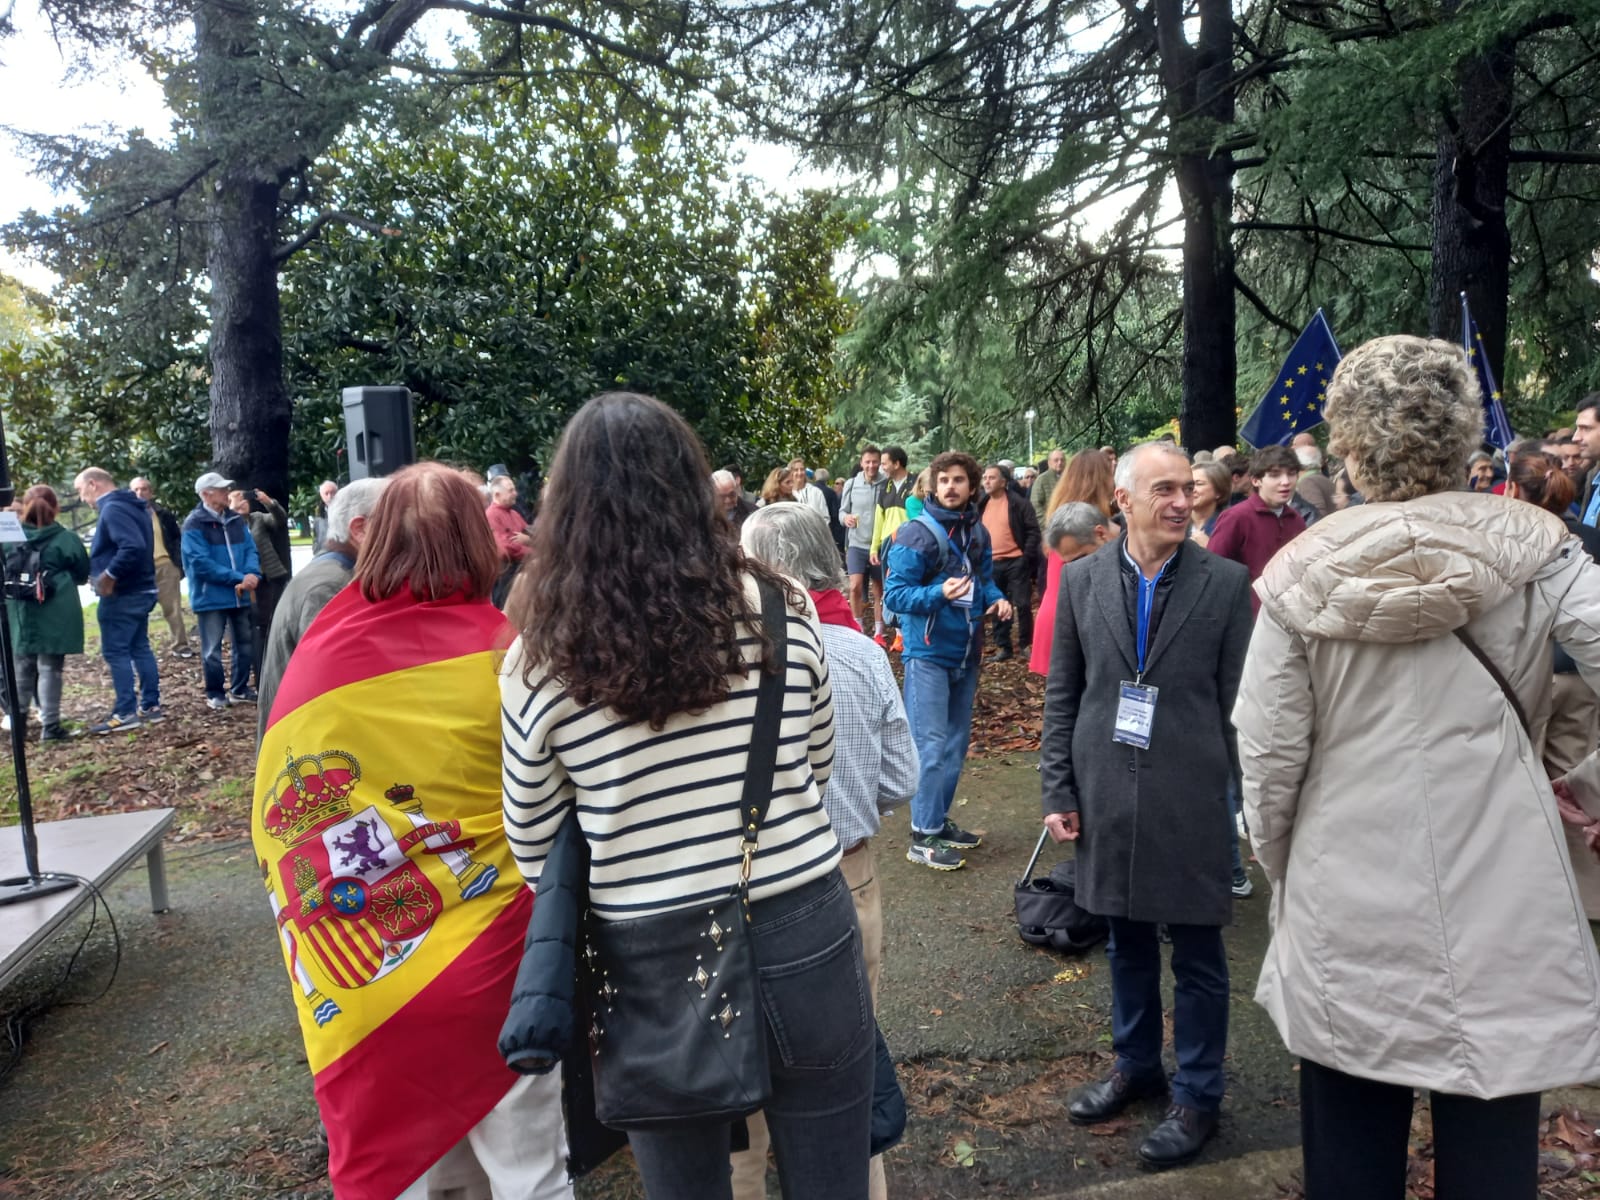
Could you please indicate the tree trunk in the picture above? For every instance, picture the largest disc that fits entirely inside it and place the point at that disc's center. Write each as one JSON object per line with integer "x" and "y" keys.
{"x": 249, "y": 403}
{"x": 1471, "y": 244}
{"x": 1200, "y": 98}
{"x": 1209, "y": 416}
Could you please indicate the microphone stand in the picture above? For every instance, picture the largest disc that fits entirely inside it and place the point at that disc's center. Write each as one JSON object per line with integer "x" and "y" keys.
{"x": 32, "y": 885}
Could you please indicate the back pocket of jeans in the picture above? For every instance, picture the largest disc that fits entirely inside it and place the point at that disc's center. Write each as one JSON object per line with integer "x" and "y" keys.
{"x": 817, "y": 1007}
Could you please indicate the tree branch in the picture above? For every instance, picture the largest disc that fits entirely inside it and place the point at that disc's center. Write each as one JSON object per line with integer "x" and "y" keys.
{"x": 1320, "y": 231}
{"x": 594, "y": 40}
{"x": 314, "y": 230}
{"x": 1260, "y": 305}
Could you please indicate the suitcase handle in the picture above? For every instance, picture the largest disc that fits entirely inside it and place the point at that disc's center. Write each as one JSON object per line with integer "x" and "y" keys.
{"x": 1034, "y": 861}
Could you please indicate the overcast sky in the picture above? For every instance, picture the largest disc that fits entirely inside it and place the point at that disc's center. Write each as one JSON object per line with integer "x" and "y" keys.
{"x": 37, "y": 95}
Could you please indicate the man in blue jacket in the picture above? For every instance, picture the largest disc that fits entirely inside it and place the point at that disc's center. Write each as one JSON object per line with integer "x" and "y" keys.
{"x": 122, "y": 571}
{"x": 219, "y": 557}
{"x": 941, "y": 583}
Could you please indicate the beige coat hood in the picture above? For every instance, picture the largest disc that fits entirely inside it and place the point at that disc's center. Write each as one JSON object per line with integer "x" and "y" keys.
{"x": 1408, "y": 572}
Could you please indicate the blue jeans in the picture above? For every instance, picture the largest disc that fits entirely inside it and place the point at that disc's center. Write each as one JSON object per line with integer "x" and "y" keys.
{"x": 939, "y": 708}
{"x": 125, "y": 645}
{"x": 1200, "y": 1007}
{"x": 213, "y": 624}
{"x": 820, "y": 1043}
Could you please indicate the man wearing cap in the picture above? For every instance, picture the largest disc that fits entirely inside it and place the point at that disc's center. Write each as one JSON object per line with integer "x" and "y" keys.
{"x": 219, "y": 557}
{"x": 122, "y": 571}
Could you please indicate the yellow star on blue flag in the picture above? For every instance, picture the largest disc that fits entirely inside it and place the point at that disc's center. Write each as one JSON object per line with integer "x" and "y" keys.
{"x": 1496, "y": 428}
{"x": 1286, "y": 410}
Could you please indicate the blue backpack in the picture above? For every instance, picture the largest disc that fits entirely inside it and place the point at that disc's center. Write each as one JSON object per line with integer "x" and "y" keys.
{"x": 947, "y": 559}
{"x": 948, "y": 556}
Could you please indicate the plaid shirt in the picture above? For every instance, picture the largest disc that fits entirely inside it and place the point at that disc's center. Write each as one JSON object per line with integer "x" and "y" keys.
{"x": 874, "y": 760}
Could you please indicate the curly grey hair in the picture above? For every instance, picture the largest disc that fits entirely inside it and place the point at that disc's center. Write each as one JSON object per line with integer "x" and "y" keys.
{"x": 1404, "y": 414}
{"x": 793, "y": 539}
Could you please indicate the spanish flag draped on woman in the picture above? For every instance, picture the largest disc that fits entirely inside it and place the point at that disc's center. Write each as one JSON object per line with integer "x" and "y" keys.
{"x": 379, "y": 838}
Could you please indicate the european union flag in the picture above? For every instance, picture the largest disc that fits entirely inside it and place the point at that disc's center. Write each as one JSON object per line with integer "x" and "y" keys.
{"x": 1293, "y": 404}
{"x": 1496, "y": 429}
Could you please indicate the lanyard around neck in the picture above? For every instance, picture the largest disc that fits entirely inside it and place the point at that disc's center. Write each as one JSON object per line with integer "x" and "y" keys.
{"x": 1146, "y": 603}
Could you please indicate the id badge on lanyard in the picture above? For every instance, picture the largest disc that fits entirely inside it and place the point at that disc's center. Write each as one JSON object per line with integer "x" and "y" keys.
{"x": 965, "y": 599}
{"x": 1136, "y": 701}
{"x": 1136, "y": 714}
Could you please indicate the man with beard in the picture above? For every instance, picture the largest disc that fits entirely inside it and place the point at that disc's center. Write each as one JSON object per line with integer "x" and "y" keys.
{"x": 941, "y": 583}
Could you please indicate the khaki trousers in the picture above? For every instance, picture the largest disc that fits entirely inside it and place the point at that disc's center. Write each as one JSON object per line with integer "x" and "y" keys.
{"x": 1569, "y": 739}
{"x": 517, "y": 1152}
{"x": 171, "y": 600}
{"x": 861, "y": 876}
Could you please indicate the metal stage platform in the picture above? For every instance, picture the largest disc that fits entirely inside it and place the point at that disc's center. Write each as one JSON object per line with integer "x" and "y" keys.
{"x": 97, "y": 848}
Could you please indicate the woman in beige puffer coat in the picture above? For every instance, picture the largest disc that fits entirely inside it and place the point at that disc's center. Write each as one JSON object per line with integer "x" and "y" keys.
{"x": 1426, "y": 929}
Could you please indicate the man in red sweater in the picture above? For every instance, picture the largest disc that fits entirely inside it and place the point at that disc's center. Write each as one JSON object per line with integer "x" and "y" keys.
{"x": 1253, "y": 531}
{"x": 507, "y": 525}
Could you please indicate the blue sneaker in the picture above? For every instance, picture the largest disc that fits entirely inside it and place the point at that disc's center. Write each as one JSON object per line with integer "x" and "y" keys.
{"x": 928, "y": 852}
{"x": 955, "y": 837}
{"x": 116, "y": 724}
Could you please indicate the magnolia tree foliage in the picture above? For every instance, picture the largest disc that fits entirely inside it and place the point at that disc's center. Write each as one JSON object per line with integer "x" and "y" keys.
{"x": 527, "y": 264}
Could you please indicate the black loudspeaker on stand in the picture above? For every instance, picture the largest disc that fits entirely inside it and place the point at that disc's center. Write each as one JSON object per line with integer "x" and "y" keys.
{"x": 378, "y": 429}
{"x": 32, "y": 885}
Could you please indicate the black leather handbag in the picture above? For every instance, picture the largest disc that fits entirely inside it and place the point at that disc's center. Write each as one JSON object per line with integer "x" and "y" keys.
{"x": 678, "y": 1034}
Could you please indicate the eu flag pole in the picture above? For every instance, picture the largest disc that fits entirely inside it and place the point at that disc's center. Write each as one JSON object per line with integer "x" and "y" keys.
{"x": 1293, "y": 404}
{"x": 1496, "y": 429}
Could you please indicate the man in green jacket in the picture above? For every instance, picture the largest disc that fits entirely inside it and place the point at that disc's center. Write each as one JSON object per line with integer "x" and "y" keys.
{"x": 1044, "y": 486}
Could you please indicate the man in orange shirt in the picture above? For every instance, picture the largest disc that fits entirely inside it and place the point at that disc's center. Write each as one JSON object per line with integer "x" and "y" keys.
{"x": 1014, "y": 533}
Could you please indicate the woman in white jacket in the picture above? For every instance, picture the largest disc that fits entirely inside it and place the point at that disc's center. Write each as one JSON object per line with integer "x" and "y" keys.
{"x": 1426, "y": 929}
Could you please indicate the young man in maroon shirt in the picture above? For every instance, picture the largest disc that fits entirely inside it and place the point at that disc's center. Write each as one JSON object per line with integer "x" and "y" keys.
{"x": 1253, "y": 531}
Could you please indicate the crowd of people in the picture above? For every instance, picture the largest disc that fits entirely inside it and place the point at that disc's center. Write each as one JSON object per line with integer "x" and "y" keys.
{"x": 141, "y": 556}
{"x": 1358, "y": 672}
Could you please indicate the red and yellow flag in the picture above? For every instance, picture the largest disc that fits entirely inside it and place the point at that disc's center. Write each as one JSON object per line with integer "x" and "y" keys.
{"x": 400, "y": 909}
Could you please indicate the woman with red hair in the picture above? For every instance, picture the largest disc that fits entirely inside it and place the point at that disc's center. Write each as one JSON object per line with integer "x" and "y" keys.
{"x": 1087, "y": 480}
{"x": 400, "y": 909}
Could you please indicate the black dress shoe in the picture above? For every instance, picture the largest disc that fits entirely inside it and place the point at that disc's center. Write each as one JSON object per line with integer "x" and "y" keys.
{"x": 1105, "y": 1098}
{"x": 1179, "y": 1137}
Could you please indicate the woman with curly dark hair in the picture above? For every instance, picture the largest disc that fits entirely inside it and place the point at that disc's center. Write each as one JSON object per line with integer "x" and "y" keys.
{"x": 630, "y": 698}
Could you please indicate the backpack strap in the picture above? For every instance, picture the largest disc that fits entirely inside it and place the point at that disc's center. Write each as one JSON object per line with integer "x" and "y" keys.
{"x": 947, "y": 551}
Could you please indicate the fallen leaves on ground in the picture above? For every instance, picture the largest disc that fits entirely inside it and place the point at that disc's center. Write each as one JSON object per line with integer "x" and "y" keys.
{"x": 200, "y": 762}
{"x": 1008, "y": 711}
{"x": 994, "y": 1095}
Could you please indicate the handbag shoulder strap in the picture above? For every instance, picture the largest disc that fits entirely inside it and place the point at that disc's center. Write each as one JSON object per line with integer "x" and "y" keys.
{"x": 757, "y": 797}
{"x": 1471, "y": 644}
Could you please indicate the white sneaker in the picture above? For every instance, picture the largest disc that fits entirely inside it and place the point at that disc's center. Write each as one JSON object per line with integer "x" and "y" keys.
{"x": 5, "y": 723}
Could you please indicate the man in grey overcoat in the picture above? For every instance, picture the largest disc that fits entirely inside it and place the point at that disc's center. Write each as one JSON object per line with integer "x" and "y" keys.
{"x": 1136, "y": 756}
